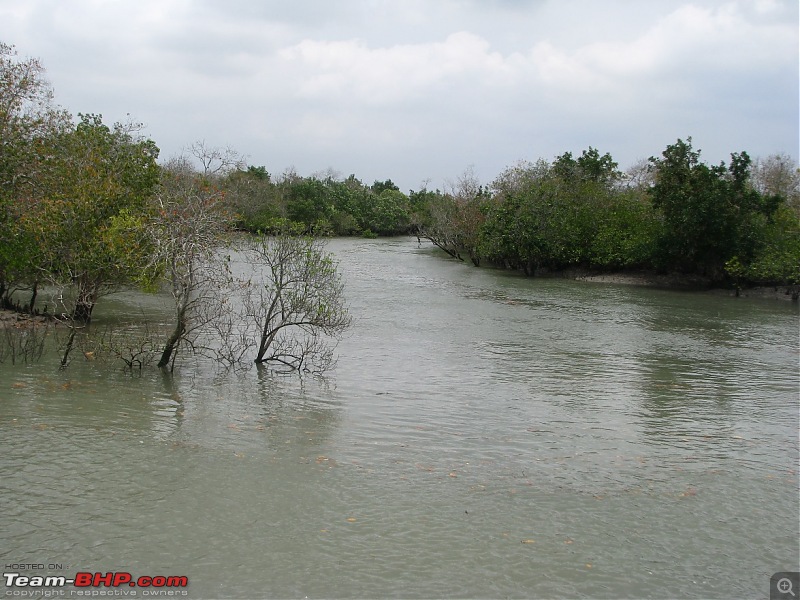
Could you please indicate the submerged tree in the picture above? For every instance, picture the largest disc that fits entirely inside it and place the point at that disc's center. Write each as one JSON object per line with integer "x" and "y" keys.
{"x": 187, "y": 230}
{"x": 298, "y": 308}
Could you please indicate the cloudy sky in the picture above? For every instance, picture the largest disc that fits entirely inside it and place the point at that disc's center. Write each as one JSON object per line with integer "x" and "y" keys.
{"x": 420, "y": 90}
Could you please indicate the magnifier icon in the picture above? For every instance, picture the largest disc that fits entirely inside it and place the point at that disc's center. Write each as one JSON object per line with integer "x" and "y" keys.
{"x": 785, "y": 586}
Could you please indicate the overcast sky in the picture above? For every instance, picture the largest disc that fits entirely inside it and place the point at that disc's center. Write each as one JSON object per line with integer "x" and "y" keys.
{"x": 420, "y": 90}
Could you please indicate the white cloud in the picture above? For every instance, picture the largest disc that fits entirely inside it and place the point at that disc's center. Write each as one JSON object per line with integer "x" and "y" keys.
{"x": 351, "y": 71}
{"x": 426, "y": 88}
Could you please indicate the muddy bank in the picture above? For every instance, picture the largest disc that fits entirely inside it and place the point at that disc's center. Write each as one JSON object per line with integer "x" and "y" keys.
{"x": 684, "y": 282}
{"x": 10, "y": 318}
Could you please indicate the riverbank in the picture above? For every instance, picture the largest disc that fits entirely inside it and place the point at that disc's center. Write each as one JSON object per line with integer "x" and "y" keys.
{"x": 693, "y": 283}
{"x": 684, "y": 282}
{"x": 11, "y": 318}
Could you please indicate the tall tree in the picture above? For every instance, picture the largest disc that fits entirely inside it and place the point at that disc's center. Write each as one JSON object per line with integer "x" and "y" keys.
{"x": 705, "y": 209}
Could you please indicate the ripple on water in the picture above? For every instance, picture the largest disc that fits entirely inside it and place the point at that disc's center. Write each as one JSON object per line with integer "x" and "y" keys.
{"x": 484, "y": 435}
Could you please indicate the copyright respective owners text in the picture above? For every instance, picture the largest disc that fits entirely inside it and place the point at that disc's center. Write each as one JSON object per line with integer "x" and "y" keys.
{"x": 58, "y": 580}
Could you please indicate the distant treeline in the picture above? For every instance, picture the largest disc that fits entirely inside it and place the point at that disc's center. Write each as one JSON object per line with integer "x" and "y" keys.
{"x": 320, "y": 205}
{"x": 738, "y": 222}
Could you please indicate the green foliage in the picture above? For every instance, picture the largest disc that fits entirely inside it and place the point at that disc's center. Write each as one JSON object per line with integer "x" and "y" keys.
{"x": 96, "y": 192}
{"x": 253, "y": 198}
{"x": 344, "y": 223}
{"x": 578, "y": 213}
{"x": 318, "y": 206}
{"x": 708, "y": 211}
{"x": 565, "y": 215}
{"x": 79, "y": 220}
{"x": 28, "y": 126}
{"x": 777, "y": 259}
{"x": 307, "y": 201}
{"x": 626, "y": 233}
{"x": 590, "y": 166}
{"x": 297, "y": 303}
{"x": 386, "y": 213}
{"x": 379, "y": 187}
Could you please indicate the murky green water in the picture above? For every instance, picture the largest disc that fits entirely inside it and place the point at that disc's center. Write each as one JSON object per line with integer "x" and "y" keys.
{"x": 484, "y": 435}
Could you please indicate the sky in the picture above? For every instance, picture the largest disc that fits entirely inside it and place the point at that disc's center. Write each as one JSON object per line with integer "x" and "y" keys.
{"x": 422, "y": 91}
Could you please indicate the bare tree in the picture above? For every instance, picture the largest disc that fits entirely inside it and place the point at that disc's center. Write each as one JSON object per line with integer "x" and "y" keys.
{"x": 441, "y": 230}
{"x": 187, "y": 232}
{"x": 456, "y": 217}
{"x": 228, "y": 336}
{"x": 135, "y": 345}
{"x": 298, "y": 307}
{"x": 216, "y": 162}
{"x": 640, "y": 175}
{"x": 24, "y": 344}
{"x": 778, "y": 175}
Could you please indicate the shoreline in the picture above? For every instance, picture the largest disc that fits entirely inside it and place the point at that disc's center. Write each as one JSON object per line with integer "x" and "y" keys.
{"x": 690, "y": 283}
{"x": 675, "y": 282}
{"x": 18, "y": 320}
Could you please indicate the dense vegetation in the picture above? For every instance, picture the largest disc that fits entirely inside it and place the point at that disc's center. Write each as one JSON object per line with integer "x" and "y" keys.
{"x": 319, "y": 205}
{"x": 736, "y": 223}
{"x": 86, "y": 208}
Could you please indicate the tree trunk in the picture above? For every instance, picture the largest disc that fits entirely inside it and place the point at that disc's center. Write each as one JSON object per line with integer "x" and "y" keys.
{"x": 68, "y": 349}
{"x": 173, "y": 341}
{"x": 82, "y": 313}
{"x": 268, "y": 332}
{"x": 84, "y": 305}
{"x": 33, "y": 297}
{"x": 266, "y": 342}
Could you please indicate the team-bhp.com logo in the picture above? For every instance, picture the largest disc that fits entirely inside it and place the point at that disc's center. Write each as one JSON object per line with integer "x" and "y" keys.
{"x": 154, "y": 583}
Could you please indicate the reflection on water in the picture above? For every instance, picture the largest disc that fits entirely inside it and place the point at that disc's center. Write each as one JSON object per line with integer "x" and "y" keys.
{"x": 484, "y": 435}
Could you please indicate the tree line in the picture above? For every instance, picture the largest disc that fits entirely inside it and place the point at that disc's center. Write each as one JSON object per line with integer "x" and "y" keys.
{"x": 86, "y": 209}
{"x": 737, "y": 223}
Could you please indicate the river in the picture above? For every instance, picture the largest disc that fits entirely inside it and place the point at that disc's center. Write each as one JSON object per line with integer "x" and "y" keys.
{"x": 484, "y": 435}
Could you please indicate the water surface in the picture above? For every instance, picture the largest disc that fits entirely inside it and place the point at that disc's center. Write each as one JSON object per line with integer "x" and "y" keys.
{"x": 484, "y": 435}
